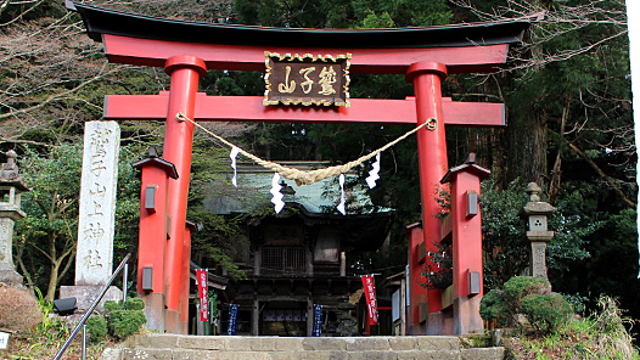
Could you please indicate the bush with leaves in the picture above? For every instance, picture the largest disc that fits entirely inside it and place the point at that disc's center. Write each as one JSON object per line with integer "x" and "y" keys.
{"x": 124, "y": 323}
{"x": 133, "y": 304}
{"x": 529, "y": 296}
{"x": 546, "y": 312}
{"x": 125, "y": 319}
{"x": 97, "y": 328}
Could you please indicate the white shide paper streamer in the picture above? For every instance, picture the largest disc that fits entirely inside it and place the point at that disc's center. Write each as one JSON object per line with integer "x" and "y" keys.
{"x": 234, "y": 165}
{"x": 341, "y": 206}
{"x": 277, "y": 195}
{"x": 374, "y": 173}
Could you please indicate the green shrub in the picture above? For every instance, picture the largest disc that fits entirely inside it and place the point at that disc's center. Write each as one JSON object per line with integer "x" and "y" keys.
{"x": 529, "y": 296}
{"x": 111, "y": 305}
{"x": 125, "y": 319}
{"x": 134, "y": 304}
{"x": 493, "y": 307}
{"x": 546, "y": 312}
{"x": 520, "y": 286}
{"x": 124, "y": 323}
{"x": 97, "y": 329}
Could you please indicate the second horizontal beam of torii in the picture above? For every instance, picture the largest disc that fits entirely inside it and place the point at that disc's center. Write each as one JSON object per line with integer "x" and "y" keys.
{"x": 251, "y": 108}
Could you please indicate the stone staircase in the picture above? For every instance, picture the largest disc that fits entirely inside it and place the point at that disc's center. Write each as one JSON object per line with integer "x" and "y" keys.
{"x": 181, "y": 347}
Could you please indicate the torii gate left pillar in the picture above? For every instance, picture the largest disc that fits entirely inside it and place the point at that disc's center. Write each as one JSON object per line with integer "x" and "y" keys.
{"x": 185, "y": 72}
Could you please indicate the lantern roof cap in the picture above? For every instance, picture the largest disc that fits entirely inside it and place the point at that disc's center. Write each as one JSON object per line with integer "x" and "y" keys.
{"x": 535, "y": 206}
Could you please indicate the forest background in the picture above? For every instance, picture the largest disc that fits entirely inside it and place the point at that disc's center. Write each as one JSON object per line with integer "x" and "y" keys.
{"x": 570, "y": 128}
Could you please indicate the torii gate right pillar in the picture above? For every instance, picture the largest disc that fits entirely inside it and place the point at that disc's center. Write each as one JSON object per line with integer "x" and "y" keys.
{"x": 432, "y": 152}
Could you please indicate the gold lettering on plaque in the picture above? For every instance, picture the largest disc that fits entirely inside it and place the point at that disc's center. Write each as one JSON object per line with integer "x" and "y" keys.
{"x": 307, "y": 85}
{"x": 327, "y": 79}
{"x": 287, "y": 87}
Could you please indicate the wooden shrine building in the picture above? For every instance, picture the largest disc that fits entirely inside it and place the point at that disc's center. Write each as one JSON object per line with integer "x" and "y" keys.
{"x": 306, "y": 255}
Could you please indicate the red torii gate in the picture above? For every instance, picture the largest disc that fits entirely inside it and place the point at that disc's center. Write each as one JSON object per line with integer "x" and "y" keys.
{"x": 187, "y": 50}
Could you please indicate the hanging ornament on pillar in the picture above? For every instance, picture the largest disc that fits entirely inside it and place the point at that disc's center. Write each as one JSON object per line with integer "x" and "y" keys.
{"x": 234, "y": 165}
{"x": 374, "y": 173}
{"x": 277, "y": 195}
{"x": 341, "y": 206}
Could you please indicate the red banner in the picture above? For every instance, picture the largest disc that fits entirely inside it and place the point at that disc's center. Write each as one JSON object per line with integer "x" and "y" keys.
{"x": 370, "y": 295}
{"x": 201, "y": 281}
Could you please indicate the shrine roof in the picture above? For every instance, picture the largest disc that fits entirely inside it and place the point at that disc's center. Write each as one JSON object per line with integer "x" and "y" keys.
{"x": 101, "y": 21}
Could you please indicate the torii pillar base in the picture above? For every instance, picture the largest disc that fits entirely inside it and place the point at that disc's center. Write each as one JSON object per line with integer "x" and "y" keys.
{"x": 154, "y": 310}
{"x": 467, "y": 319}
{"x": 172, "y": 321}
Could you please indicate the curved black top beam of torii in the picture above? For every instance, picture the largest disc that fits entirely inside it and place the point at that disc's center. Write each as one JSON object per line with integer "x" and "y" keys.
{"x": 100, "y": 21}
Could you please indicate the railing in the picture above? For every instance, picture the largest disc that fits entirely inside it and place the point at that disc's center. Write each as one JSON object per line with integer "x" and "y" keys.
{"x": 93, "y": 306}
{"x": 285, "y": 259}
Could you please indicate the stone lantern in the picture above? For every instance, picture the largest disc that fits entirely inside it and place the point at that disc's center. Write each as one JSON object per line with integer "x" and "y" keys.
{"x": 11, "y": 186}
{"x": 537, "y": 213}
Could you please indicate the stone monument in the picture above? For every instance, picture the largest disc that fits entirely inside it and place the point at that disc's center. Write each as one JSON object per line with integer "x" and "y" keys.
{"x": 94, "y": 255}
{"x": 537, "y": 213}
{"x": 11, "y": 185}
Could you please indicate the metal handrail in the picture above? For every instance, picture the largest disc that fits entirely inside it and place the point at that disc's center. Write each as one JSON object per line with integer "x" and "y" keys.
{"x": 93, "y": 306}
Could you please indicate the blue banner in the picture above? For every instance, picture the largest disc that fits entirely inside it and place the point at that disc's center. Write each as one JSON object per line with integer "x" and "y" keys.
{"x": 233, "y": 319}
{"x": 317, "y": 320}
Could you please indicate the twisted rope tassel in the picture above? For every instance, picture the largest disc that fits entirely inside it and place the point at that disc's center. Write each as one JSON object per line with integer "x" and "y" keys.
{"x": 312, "y": 176}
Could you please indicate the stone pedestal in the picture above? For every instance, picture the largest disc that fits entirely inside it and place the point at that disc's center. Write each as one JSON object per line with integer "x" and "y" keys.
{"x": 466, "y": 320}
{"x": 439, "y": 323}
{"x": 538, "y": 258}
{"x": 172, "y": 321}
{"x": 86, "y": 295}
{"x": 10, "y": 278}
{"x": 154, "y": 310}
{"x": 8, "y": 216}
{"x": 8, "y": 274}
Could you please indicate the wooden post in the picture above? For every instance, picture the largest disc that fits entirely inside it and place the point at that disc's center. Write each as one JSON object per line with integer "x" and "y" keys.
{"x": 153, "y": 236}
{"x": 466, "y": 245}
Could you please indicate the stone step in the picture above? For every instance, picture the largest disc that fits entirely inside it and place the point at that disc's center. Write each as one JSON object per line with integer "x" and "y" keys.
{"x": 238, "y": 343}
{"x": 186, "y": 354}
{"x": 180, "y": 347}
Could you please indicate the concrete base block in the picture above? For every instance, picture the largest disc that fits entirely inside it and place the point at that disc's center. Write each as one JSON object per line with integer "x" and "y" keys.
{"x": 172, "y": 321}
{"x": 440, "y": 323}
{"x": 184, "y": 327}
{"x": 10, "y": 278}
{"x": 417, "y": 329}
{"x": 87, "y": 294}
{"x": 467, "y": 318}
{"x": 153, "y": 310}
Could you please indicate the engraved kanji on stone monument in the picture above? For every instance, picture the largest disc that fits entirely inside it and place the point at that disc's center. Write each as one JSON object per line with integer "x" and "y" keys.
{"x": 94, "y": 258}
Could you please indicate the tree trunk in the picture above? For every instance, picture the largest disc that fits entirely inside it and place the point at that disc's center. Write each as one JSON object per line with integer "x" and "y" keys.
{"x": 53, "y": 281}
{"x": 526, "y": 147}
{"x": 526, "y": 133}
